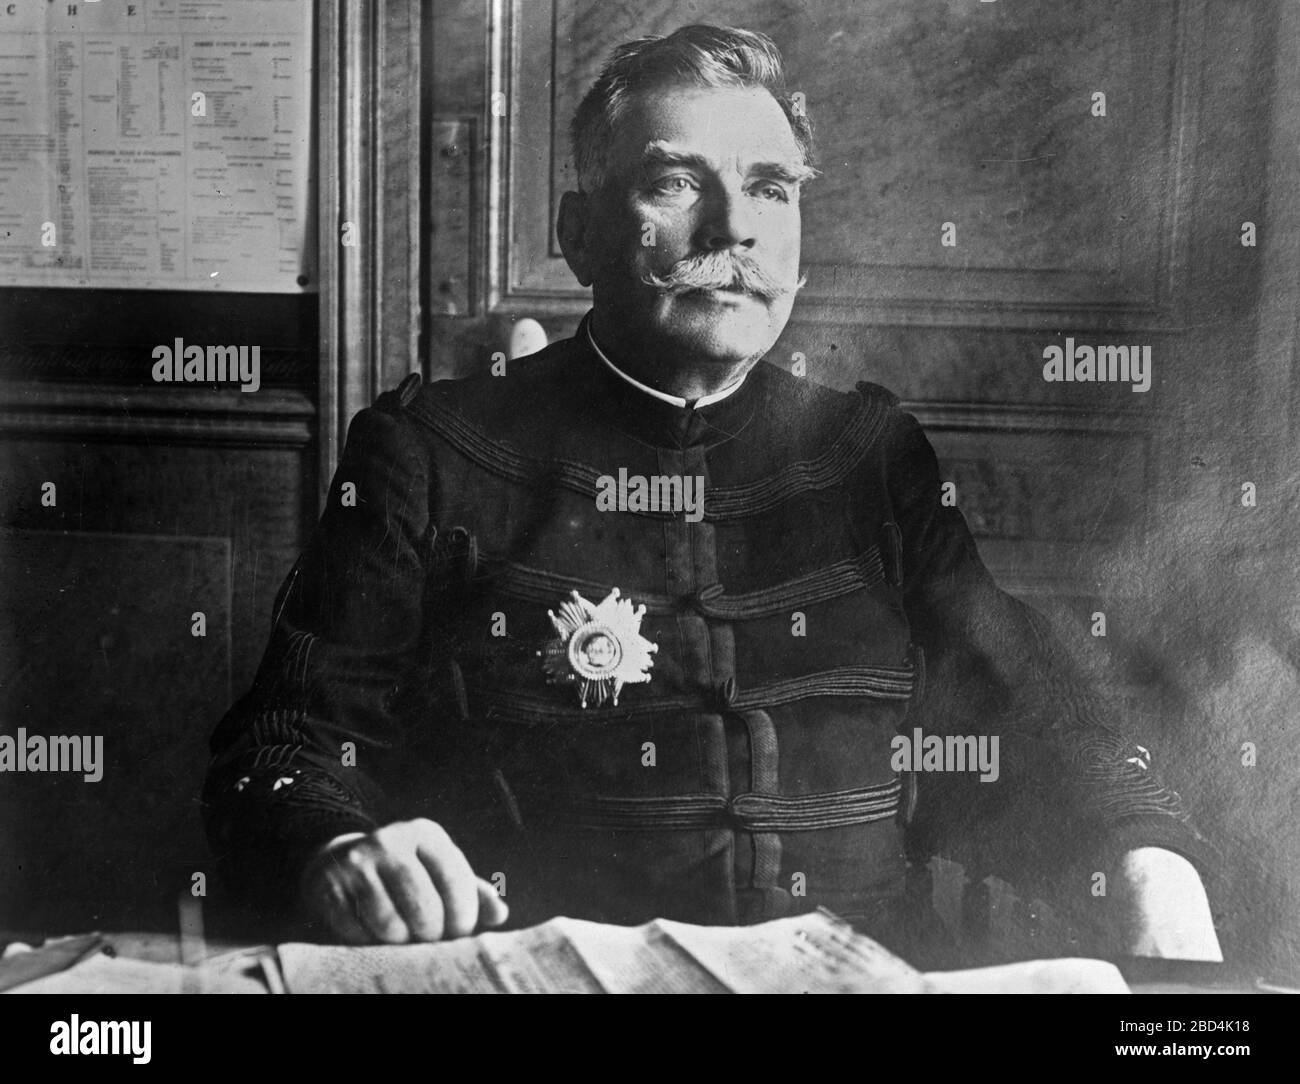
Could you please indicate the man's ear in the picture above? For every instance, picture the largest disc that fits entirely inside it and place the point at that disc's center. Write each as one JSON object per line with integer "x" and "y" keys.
{"x": 571, "y": 229}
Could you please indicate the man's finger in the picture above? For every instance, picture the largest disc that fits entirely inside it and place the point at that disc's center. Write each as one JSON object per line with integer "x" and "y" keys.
{"x": 377, "y": 911}
{"x": 454, "y": 880}
{"x": 412, "y": 891}
{"x": 492, "y": 909}
{"x": 345, "y": 922}
{"x": 329, "y": 901}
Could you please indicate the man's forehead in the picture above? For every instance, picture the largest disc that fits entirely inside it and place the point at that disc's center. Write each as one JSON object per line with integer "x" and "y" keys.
{"x": 716, "y": 123}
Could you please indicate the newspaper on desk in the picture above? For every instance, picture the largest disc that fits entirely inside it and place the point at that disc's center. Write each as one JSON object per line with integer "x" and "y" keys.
{"x": 812, "y": 953}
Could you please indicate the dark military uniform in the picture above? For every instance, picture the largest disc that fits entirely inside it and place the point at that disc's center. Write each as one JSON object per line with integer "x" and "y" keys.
{"x": 751, "y": 777}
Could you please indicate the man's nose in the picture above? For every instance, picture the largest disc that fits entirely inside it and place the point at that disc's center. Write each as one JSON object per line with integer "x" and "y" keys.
{"x": 726, "y": 221}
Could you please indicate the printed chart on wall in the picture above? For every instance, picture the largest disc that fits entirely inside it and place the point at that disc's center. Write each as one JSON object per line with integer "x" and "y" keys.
{"x": 156, "y": 144}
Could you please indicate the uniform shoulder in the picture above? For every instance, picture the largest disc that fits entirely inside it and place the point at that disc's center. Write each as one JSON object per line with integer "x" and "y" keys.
{"x": 808, "y": 392}
{"x": 494, "y": 401}
{"x": 816, "y": 413}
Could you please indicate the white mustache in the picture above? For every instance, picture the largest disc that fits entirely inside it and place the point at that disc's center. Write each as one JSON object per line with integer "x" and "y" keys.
{"x": 722, "y": 271}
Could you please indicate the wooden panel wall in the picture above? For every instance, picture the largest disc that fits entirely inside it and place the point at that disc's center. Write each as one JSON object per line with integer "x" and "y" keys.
{"x": 912, "y": 133}
{"x": 168, "y": 503}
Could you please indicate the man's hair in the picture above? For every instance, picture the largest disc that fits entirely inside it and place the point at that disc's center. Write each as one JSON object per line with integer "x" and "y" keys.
{"x": 699, "y": 55}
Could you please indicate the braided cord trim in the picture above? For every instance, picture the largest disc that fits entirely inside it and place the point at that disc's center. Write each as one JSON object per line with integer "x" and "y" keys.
{"x": 746, "y": 812}
{"x": 842, "y": 578}
{"x": 725, "y": 502}
{"x": 528, "y": 707}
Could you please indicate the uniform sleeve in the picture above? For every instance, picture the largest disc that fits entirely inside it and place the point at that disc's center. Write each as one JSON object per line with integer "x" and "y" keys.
{"x": 293, "y": 761}
{"x": 1073, "y": 792}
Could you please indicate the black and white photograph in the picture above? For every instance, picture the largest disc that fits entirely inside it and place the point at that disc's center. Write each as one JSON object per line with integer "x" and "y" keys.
{"x": 651, "y": 496}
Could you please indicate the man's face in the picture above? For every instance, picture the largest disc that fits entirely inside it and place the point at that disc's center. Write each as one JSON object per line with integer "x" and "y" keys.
{"x": 600, "y": 651}
{"x": 697, "y": 172}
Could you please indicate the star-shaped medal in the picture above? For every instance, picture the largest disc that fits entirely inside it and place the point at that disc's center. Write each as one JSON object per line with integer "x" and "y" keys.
{"x": 599, "y": 648}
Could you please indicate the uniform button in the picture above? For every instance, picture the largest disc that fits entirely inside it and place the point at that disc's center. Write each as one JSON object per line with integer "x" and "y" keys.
{"x": 458, "y": 690}
{"x": 724, "y": 694}
{"x": 407, "y": 389}
{"x": 697, "y": 601}
{"x": 468, "y": 541}
{"x": 470, "y": 566}
{"x": 742, "y": 808}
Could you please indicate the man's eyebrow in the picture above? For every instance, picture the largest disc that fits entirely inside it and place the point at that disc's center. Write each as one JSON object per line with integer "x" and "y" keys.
{"x": 790, "y": 172}
{"x": 662, "y": 154}
{"x": 659, "y": 153}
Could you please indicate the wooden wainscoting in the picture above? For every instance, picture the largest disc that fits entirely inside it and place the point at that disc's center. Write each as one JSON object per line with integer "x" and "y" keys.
{"x": 168, "y": 503}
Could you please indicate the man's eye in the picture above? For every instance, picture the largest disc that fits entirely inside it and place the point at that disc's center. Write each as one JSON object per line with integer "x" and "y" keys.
{"x": 673, "y": 185}
{"x": 773, "y": 192}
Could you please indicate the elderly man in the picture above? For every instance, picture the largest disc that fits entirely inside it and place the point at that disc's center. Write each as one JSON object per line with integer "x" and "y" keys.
{"x": 512, "y": 666}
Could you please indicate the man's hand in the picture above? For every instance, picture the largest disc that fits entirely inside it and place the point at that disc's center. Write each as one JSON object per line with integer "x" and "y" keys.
{"x": 404, "y": 882}
{"x": 1173, "y": 913}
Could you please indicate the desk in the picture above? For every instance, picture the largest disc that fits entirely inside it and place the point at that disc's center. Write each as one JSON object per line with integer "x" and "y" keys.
{"x": 151, "y": 963}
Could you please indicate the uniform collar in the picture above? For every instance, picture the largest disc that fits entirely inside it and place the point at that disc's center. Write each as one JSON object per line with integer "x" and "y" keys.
{"x": 614, "y": 399}
{"x": 672, "y": 400}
